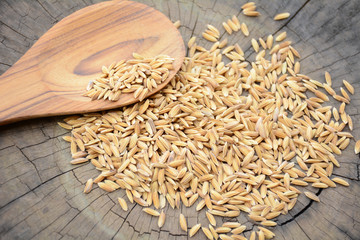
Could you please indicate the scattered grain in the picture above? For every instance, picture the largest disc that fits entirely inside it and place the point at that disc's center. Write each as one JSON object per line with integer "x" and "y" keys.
{"x": 211, "y": 218}
{"x": 281, "y": 37}
{"x": 328, "y": 78}
{"x": 123, "y": 204}
{"x": 194, "y": 229}
{"x": 227, "y": 28}
{"x": 248, "y": 5}
{"x": 207, "y": 233}
{"x": 349, "y": 87}
{"x": 244, "y": 29}
{"x": 151, "y": 212}
{"x": 238, "y": 230}
{"x": 341, "y": 181}
{"x": 255, "y": 45}
{"x": 161, "y": 220}
{"x": 177, "y": 24}
{"x": 312, "y": 196}
{"x": 281, "y": 16}
{"x": 251, "y": 13}
{"x": 357, "y": 147}
{"x": 88, "y": 185}
{"x": 183, "y": 223}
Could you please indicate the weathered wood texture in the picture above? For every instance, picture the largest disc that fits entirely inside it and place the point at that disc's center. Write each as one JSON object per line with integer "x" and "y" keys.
{"x": 41, "y": 193}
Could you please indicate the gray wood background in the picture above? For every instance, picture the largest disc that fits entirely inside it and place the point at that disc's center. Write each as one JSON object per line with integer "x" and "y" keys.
{"x": 41, "y": 193}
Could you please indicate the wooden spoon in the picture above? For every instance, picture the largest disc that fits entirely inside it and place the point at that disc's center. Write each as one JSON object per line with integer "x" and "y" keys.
{"x": 53, "y": 74}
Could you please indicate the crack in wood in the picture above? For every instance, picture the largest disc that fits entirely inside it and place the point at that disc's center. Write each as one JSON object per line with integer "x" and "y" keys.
{"x": 331, "y": 64}
{"x": 116, "y": 213}
{"x": 37, "y": 171}
{"x": 292, "y": 17}
{"x": 72, "y": 170}
{"x": 124, "y": 221}
{"x": 36, "y": 144}
{"x": 47, "y": 155}
{"x": 79, "y": 212}
{"x": 31, "y": 190}
{"x": 46, "y": 10}
{"x": 48, "y": 194}
{"x": 64, "y": 214}
{"x": 169, "y": 12}
{"x": 5, "y": 64}
{"x": 178, "y": 9}
{"x": 302, "y": 210}
{"x": 339, "y": 210}
{"x": 191, "y": 14}
{"x": 13, "y": 145}
{"x": 14, "y": 9}
{"x": 302, "y": 230}
{"x": 99, "y": 220}
{"x": 12, "y": 49}
{"x": 15, "y": 30}
{"x": 353, "y": 179}
{"x": 196, "y": 21}
{"x": 333, "y": 224}
{"x": 45, "y": 135}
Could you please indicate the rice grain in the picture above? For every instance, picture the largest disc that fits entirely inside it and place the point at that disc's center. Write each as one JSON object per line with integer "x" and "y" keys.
{"x": 282, "y": 16}
{"x": 183, "y": 223}
{"x": 341, "y": 181}
{"x": 244, "y": 29}
{"x": 177, "y": 24}
{"x": 281, "y": 37}
{"x": 88, "y": 185}
{"x": 123, "y": 204}
{"x": 194, "y": 229}
{"x": 349, "y": 87}
{"x": 357, "y": 147}
{"x": 161, "y": 220}
{"x": 151, "y": 212}
{"x": 312, "y": 196}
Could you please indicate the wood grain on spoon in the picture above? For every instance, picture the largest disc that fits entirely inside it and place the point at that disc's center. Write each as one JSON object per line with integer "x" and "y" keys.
{"x": 52, "y": 76}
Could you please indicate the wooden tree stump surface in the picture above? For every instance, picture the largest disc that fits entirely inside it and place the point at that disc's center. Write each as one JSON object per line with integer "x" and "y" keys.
{"x": 41, "y": 193}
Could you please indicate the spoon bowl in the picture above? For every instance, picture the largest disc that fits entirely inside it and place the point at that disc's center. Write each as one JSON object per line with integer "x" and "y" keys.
{"x": 53, "y": 74}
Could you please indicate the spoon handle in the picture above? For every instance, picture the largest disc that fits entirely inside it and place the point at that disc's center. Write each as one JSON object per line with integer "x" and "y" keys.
{"x": 21, "y": 94}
